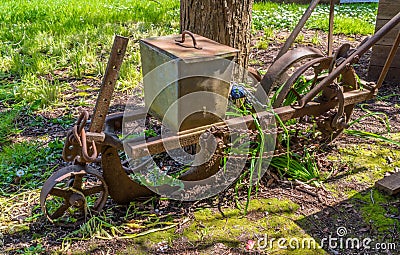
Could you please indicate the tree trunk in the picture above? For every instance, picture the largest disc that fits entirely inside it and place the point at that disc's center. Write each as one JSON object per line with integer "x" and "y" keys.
{"x": 225, "y": 21}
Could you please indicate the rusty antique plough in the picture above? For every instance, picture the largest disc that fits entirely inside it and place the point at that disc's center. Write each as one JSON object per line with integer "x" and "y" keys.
{"x": 329, "y": 99}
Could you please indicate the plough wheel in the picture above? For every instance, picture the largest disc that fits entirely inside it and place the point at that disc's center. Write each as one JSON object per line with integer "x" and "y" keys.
{"x": 277, "y": 73}
{"x": 286, "y": 87}
{"x": 74, "y": 191}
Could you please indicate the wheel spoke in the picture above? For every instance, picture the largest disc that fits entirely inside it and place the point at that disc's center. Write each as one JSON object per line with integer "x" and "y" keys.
{"x": 93, "y": 190}
{"x": 60, "y": 192}
{"x": 77, "y": 181}
{"x": 60, "y": 211}
{"x": 65, "y": 191}
{"x": 296, "y": 93}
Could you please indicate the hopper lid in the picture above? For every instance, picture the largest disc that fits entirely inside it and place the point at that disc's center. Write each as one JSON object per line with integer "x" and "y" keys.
{"x": 199, "y": 49}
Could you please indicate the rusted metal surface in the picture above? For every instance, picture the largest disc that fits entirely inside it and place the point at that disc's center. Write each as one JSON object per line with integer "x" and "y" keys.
{"x": 114, "y": 123}
{"x": 289, "y": 41}
{"x": 76, "y": 146}
{"x": 209, "y": 49}
{"x": 121, "y": 188}
{"x": 255, "y": 73}
{"x": 95, "y": 137}
{"x": 211, "y": 166}
{"x": 330, "y": 31}
{"x": 71, "y": 149}
{"x": 323, "y": 62}
{"x": 335, "y": 106}
{"x": 73, "y": 144}
{"x": 108, "y": 84}
{"x": 340, "y": 54}
{"x": 114, "y": 120}
{"x": 339, "y": 120}
{"x": 353, "y": 58}
{"x": 330, "y": 126}
{"x": 281, "y": 65}
{"x": 285, "y": 113}
{"x": 184, "y": 33}
{"x": 85, "y": 148}
{"x": 74, "y": 193}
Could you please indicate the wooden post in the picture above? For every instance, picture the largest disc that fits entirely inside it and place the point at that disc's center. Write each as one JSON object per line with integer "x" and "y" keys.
{"x": 387, "y": 9}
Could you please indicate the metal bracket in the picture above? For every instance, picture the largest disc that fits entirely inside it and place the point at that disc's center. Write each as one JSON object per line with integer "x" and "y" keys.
{"x": 339, "y": 121}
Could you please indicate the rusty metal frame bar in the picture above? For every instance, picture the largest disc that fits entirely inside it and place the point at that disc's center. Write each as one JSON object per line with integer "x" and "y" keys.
{"x": 297, "y": 29}
{"x": 331, "y": 22}
{"x": 108, "y": 84}
{"x": 285, "y": 113}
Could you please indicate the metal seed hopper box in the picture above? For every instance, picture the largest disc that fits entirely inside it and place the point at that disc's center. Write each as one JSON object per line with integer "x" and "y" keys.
{"x": 186, "y": 82}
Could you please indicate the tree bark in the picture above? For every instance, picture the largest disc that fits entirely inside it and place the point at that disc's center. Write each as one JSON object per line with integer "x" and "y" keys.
{"x": 225, "y": 21}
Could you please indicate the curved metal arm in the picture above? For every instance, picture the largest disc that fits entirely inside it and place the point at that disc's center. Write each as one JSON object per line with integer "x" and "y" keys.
{"x": 85, "y": 154}
{"x": 186, "y": 32}
{"x": 81, "y": 123}
{"x": 339, "y": 121}
{"x": 297, "y": 29}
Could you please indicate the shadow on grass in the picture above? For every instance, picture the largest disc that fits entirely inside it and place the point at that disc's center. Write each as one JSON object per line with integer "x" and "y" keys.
{"x": 366, "y": 223}
{"x": 368, "y": 218}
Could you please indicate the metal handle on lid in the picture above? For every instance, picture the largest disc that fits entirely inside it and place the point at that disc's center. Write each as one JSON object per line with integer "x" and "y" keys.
{"x": 186, "y": 32}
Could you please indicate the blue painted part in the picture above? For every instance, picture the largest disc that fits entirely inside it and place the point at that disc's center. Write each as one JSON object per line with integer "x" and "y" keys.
{"x": 237, "y": 92}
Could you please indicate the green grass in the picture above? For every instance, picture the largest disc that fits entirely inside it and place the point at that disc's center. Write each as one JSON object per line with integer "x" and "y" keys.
{"x": 253, "y": 149}
{"x": 38, "y": 92}
{"x": 8, "y": 126}
{"x": 302, "y": 168}
{"x": 46, "y": 46}
{"x": 349, "y": 18}
{"x": 367, "y": 135}
{"x": 46, "y": 41}
{"x": 27, "y": 164}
